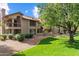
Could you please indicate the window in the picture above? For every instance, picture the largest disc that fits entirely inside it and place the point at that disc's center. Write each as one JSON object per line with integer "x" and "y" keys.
{"x": 17, "y": 22}
{"x": 8, "y": 31}
{"x": 9, "y": 23}
{"x": 32, "y": 23}
{"x": 17, "y": 25}
{"x": 18, "y": 17}
{"x": 38, "y": 30}
{"x": 33, "y": 31}
{"x": 16, "y": 31}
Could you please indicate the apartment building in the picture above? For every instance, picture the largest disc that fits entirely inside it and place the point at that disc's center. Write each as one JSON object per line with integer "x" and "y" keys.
{"x": 18, "y": 23}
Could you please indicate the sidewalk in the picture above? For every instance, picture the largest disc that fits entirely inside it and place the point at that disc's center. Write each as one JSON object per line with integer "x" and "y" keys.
{"x": 9, "y": 47}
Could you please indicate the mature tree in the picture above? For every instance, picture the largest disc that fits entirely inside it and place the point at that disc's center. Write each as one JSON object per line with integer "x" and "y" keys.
{"x": 62, "y": 15}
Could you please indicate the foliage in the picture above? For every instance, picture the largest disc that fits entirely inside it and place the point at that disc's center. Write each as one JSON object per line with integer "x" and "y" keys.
{"x": 3, "y": 37}
{"x": 62, "y": 15}
{"x": 28, "y": 35}
{"x": 57, "y": 46}
{"x": 19, "y": 37}
{"x": 10, "y": 36}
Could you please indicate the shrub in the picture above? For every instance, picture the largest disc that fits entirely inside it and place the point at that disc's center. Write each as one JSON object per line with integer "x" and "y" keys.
{"x": 10, "y": 36}
{"x": 2, "y": 38}
{"x": 22, "y": 35}
{"x": 28, "y": 35}
{"x": 19, "y": 37}
{"x": 5, "y": 36}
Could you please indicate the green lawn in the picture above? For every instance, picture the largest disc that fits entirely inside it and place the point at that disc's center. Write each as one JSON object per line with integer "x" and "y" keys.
{"x": 53, "y": 47}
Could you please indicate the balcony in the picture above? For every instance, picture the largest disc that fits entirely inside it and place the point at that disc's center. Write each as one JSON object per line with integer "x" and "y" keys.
{"x": 32, "y": 23}
{"x": 17, "y": 25}
{"x": 9, "y": 24}
{"x": 13, "y": 26}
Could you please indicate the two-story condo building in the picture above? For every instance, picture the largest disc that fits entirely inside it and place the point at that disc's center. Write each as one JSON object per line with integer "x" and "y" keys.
{"x": 18, "y": 23}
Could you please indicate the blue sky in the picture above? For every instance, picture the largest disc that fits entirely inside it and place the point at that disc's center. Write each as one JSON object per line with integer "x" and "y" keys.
{"x": 28, "y": 9}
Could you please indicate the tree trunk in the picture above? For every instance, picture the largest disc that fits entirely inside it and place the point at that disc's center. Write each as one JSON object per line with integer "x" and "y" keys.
{"x": 59, "y": 30}
{"x": 71, "y": 39}
{"x": 64, "y": 31}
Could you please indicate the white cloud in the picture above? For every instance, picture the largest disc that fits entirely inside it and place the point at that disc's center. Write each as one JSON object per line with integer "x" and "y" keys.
{"x": 5, "y": 6}
{"x": 35, "y": 12}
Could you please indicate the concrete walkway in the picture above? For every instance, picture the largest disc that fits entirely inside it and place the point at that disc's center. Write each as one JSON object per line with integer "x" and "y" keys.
{"x": 9, "y": 47}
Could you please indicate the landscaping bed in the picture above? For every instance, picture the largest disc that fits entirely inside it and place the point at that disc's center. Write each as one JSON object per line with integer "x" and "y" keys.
{"x": 18, "y": 37}
{"x": 11, "y": 46}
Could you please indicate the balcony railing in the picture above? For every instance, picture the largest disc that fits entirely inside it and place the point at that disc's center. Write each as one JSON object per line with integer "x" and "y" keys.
{"x": 17, "y": 25}
{"x": 9, "y": 24}
{"x": 13, "y": 25}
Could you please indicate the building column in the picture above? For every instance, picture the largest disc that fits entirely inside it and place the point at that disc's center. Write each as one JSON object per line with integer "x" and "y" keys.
{"x": 12, "y": 22}
{"x": 37, "y": 25}
{"x": 12, "y": 26}
{"x": 12, "y": 31}
{"x": 36, "y": 30}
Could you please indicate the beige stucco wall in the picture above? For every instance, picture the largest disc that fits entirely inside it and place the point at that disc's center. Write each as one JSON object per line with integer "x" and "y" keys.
{"x": 24, "y": 26}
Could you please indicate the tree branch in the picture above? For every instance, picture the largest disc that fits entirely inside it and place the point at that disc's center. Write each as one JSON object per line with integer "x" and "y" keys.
{"x": 62, "y": 26}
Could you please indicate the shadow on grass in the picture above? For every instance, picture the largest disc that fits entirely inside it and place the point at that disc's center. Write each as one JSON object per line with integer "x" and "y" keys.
{"x": 47, "y": 40}
{"x": 74, "y": 45}
{"x": 77, "y": 33}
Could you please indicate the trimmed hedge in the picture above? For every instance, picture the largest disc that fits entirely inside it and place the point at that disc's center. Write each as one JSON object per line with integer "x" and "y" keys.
{"x": 28, "y": 35}
{"x": 3, "y": 37}
{"x": 19, "y": 37}
{"x": 10, "y": 36}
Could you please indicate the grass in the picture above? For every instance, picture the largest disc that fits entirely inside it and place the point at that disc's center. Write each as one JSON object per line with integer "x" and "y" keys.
{"x": 53, "y": 47}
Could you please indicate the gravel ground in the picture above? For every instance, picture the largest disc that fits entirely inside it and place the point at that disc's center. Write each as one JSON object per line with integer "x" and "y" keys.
{"x": 9, "y": 47}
